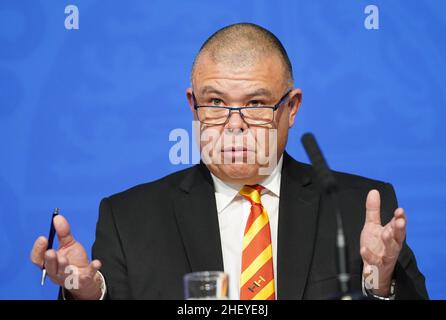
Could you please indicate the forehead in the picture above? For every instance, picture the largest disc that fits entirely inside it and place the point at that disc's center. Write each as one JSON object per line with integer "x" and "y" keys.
{"x": 267, "y": 74}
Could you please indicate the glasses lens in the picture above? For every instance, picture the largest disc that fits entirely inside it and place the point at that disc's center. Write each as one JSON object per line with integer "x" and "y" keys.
{"x": 212, "y": 115}
{"x": 216, "y": 116}
{"x": 258, "y": 115}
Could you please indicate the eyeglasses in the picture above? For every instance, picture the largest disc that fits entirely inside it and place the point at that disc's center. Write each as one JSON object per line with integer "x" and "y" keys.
{"x": 219, "y": 115}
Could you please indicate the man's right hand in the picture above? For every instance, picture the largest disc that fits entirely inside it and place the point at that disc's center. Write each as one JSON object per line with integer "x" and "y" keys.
{"x": 70, "y": 253}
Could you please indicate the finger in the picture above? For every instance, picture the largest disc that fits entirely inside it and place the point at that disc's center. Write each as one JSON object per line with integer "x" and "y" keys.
{"x": 51, "y": 263}
{"x": 62, "y": 262}
{"x": 63, "y": 231}
{"x": 400, "y": 226}
{"x": 392, "y": 247}
{"x": 399, "y": 213}
{"x": 373, "y": 207}
{"x": 38, "y": 251}
{"x": 94, "y": 267}
{"x": 387, "y": 236}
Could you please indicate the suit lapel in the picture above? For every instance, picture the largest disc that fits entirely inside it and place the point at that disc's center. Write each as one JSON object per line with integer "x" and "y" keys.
{"x": 298, "y": 214}
{"x": 196, "y": 214}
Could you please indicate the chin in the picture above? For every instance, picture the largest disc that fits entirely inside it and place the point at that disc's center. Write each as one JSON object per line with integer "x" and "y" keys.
{"x": 242, "y": 172}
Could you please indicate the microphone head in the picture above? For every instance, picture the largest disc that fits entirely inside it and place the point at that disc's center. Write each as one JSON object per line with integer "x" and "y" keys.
{"x": 323, "y": 174}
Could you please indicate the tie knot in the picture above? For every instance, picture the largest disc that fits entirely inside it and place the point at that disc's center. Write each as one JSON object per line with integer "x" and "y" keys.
{"x": 252, "y": 193}
{"x": 258, "y": 187}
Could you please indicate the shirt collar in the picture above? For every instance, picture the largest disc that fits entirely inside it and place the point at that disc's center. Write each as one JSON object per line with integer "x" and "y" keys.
{"x": 226, "y": 192}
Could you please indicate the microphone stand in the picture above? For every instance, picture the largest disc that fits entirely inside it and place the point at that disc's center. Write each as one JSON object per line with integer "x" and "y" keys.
{"x": 341, "y": 250}
{"x": 330, "y": 188}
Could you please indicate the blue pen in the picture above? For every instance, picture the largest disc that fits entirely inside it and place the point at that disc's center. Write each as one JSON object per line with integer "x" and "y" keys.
{"x": 50, "y": 242}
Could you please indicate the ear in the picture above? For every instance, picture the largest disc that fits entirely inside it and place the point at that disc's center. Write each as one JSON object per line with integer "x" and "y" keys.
{"x": 190, "y": 100}
{"x": 294, "y": 103}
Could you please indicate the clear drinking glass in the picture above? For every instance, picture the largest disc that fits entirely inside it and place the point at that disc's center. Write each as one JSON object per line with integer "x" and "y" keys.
{"x": 206, "y": 285}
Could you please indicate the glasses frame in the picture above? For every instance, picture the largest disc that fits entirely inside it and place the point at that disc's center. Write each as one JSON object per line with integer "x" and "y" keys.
{"x": 240, "y": 109}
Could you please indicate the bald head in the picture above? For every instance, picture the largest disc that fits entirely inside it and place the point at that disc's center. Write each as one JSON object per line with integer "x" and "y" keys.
{"x": 243, "y": 45}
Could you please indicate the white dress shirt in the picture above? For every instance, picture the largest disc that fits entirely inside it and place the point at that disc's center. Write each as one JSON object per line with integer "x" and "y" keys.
{"x": 233, "y": 212}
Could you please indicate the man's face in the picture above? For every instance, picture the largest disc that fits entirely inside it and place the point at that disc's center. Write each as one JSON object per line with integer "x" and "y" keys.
{"x": 236, "y": 150}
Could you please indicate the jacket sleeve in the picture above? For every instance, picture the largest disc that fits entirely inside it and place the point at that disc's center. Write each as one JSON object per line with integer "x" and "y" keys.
{"x": 108, "y": 249}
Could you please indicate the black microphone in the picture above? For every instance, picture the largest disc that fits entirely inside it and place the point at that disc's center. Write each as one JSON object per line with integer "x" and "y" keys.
{"x": 329, "y": 186}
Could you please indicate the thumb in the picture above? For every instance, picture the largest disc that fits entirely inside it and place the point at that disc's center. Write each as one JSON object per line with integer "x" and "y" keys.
{"x": 63, "y": 231}
{"x": 373, "y": 207}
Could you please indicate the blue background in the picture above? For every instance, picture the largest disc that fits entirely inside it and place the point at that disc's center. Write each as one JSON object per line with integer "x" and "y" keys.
{"x": 87, "y": 113}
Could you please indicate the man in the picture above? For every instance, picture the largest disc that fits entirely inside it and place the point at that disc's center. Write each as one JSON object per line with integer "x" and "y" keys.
{"x": 263, "y": 223}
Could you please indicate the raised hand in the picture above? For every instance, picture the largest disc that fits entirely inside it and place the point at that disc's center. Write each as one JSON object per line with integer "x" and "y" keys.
{"x": 381, "y": 245}
{"x": 70, "y": 253}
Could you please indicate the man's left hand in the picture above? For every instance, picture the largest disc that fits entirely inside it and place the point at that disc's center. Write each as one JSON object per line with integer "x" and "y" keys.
{"x": 381, "y": 245}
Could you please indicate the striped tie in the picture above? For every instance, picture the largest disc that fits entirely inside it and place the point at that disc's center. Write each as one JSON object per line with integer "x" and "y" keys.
{"x": 257, "y": 279}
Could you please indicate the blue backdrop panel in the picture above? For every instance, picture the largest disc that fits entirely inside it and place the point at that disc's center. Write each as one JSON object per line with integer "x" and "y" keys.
{"x": 86, "y": 113}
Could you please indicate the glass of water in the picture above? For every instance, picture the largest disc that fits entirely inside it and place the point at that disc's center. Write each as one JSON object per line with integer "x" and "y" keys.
{"x": 206, "y": 285}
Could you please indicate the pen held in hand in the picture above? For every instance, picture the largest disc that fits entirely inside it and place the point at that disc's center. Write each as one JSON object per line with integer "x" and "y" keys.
{"x": 50, "y": 241}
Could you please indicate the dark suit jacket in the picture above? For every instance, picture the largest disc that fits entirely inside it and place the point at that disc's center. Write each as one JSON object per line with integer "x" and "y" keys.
{"x": 149, "y": 236}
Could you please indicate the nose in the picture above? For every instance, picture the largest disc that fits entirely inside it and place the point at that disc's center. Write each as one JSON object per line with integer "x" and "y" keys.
{"x": 236, "y": 123}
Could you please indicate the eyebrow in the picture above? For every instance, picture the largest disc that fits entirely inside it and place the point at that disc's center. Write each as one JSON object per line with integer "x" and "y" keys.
{"x": 259, "y": 92}
{"x": 210, "y": 89}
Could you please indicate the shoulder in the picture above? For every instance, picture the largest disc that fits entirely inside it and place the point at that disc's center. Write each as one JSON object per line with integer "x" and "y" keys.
{"x": 352, "y": 191}
{"x": 151, "y": 192}
{"x": 353, "y": 181}
{"x": 352, "y": 188}
{"x": 305, "y": 173}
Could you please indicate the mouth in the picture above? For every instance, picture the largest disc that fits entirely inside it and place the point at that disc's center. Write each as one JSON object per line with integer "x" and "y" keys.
{"x": 235, "y": 149}
{"x": 236, "y": 154}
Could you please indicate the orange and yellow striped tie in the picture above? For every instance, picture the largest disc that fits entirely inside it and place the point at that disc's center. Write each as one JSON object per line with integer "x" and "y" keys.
{"x": 257, "y": 279}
